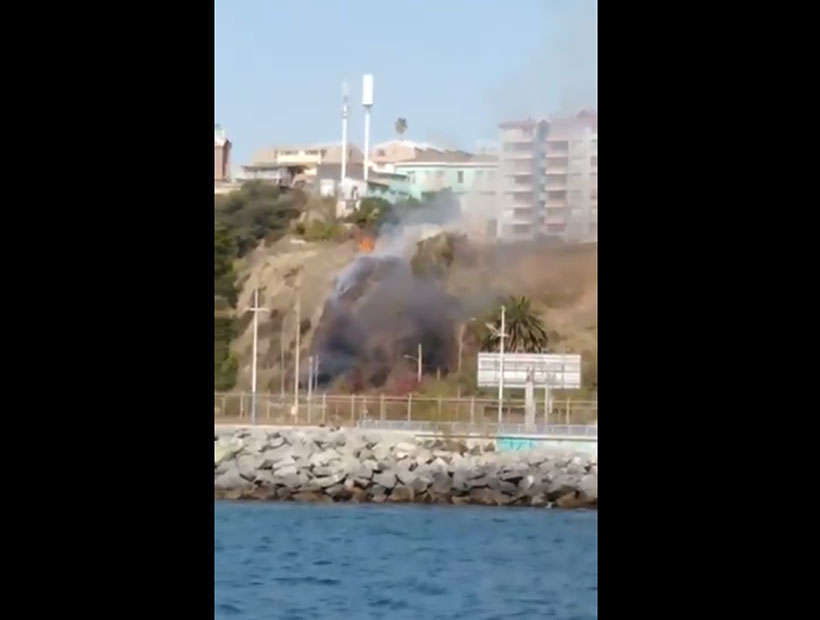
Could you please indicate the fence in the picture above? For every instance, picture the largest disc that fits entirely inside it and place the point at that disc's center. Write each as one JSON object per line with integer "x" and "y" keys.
{"x": 409, "y": 412}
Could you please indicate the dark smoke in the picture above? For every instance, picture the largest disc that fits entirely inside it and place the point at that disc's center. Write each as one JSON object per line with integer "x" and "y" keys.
{"x": 381, "y": 315}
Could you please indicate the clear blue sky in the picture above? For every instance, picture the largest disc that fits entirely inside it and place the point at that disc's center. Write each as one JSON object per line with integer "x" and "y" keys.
{"x": 452, "y": 68}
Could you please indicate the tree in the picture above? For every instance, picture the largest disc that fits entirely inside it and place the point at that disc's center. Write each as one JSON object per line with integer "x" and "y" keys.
{"x": 257, "y": 211}
{"x": 401, "y": 126}
{"x": 224, "y": 255}
{"x": 370, "y": 215}
{"x": 525, "y": 330}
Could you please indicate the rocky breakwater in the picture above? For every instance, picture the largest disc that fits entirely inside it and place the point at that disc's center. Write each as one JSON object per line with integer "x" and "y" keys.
{"x": 339, "y": 465}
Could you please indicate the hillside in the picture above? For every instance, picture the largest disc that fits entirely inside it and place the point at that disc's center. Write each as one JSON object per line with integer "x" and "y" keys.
{"x": 376, "y": 315}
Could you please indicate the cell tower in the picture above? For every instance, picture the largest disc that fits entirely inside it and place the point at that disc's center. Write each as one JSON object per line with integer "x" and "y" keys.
{"x": 367, "y": 103}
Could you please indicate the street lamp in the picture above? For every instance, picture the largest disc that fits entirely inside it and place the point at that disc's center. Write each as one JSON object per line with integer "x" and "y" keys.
{"x": 416, "y": 359}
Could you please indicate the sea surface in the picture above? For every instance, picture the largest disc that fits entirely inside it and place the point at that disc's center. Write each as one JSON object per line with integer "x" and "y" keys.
{"x": 348, "y": 561}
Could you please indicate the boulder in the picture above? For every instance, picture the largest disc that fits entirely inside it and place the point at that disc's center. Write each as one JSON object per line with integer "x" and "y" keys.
{"x": 589, "y": 488}
{"x": 312, "y": 496}
{"x": 231, "y": 480}
{"x": 264, "y": 478}
{"x": 224, "y": 453}
{"x": 328, "y": 481}
{"x": 247, "y": 465}
{"x": 338, "y": 492}
{"x": 401, "y": 494}
{"x": 385, "y": 479}
{"x": 325, "y": 457}
{"x": 405, "y": 476}
{"x": 284, "y": 472}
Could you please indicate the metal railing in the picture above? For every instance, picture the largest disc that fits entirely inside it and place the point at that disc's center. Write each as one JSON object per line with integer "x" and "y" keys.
{"x": 410, "y": 412}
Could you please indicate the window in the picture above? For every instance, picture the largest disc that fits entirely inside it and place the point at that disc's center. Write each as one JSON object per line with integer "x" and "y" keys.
{"x": 491, "y": 176}
{"x": 411, "y": 177}
{"x": 479, "y": 175}
{"x": 460, "y": 176}
{"x": 439, "y": 174}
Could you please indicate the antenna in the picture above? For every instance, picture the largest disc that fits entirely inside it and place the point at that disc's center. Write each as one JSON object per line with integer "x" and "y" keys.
{"x": 344, "y": 132}
{"x": 367, "y": 103}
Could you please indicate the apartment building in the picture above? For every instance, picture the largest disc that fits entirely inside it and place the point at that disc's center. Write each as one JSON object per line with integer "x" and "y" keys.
{"x": 571, "y": 178}
{"x": 222, "y": 156}
{"x": 307, "y": 158}
{"x": 464, "y": 174}
{"x": 549, "y": 179}
{"x": 520, "y": 191}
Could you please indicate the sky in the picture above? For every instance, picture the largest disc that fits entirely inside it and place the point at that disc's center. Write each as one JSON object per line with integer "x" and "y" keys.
{"x": 454, "y": 69}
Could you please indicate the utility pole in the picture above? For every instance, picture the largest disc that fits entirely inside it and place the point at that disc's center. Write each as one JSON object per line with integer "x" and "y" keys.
{"x": 501, "y": 368}
{"x": 298, "y": 344}
{"x": 282, "y": 363}
{"x": 418, "y": 373}
{"x": 256, "y": 310}
{"x": 310, "y": 386}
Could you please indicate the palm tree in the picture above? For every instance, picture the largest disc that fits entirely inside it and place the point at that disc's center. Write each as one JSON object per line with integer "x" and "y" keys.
{"x": 401, "y": 126}
{"x": 525, "y": 330}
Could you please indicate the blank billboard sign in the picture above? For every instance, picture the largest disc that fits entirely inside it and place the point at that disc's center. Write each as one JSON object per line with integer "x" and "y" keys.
{"x": 556, "y": 370}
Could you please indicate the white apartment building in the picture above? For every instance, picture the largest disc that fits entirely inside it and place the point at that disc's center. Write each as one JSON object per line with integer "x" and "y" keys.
{"x": 571, "y": 178}
{"x": 520, "y": 190}
{"x": 549, "y": 179}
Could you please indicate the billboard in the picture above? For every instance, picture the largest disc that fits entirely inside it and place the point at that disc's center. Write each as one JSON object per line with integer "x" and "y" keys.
{"x": 556, "y": 370}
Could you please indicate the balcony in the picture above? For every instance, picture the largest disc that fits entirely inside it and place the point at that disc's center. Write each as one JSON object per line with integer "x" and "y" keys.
{"x": 555, "y": 185}
{"x": 517, "y": 155}
{"x": 555, "y": 220}
{"x": 557, "y": 156}
{"x": 556, "y": 171}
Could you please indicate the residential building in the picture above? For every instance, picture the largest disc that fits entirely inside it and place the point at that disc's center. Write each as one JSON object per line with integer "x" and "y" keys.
{"x": 308, "y": 157}
{"x": 464, "y": 174}
{"x": 571, "y": 173}
{"x": 385, "y": 154}
{"x": 549, "y": 178}
{"x": 520, "y": 189}
{"x": 222, "y": 156}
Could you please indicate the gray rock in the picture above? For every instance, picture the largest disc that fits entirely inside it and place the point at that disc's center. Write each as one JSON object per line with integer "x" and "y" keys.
{"x": 589, "y": 487}
{"x": 386, "y": 479}
{"x": 231, "y": 480}
{"x": 459, "y": 482}
{"x": 324, "y": 458}
{"x": 276, "y": 440}
{"x": 441, "y": 484}
{"x": 278, "y": 454}
{"x": 338, "y": 492}
{"x": 247, "y": 465}
{"x": 401, "y": 494}
{"x": 264, "y": 478}
{"x": 328, "y": 481}
{"x": 420, "y": 484}
{"x": 288, "y": 461}
{"x": 405, "y": 476}
{"x": 284, "y": 472}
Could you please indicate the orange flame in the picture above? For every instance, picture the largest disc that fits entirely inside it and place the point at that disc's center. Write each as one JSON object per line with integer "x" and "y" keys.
{"x": 366, "y": 245}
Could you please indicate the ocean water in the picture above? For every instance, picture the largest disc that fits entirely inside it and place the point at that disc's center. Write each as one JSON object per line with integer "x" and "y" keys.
{"x": 299, "y": 561}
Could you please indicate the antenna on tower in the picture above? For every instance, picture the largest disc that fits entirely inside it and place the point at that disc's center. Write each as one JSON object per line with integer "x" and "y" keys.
{"x": 367, "y": 103}
{"x": 345, "y": 112}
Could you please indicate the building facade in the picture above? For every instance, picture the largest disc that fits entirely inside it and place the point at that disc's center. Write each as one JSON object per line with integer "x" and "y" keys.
{"x": 222, "y": 156}
{"x": 571, "y": 178}
{"x": 308, "y": 158}
{"x": 548, "y": 173}
{"x": 520, "y": 191}
{"x": 472, "y": 176}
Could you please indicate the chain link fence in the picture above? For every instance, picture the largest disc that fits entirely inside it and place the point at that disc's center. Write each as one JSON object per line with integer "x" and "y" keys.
{"x": 404, "y": 412}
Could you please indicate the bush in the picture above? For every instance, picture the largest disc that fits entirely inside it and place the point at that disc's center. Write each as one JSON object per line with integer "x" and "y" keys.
{"x": 322, "y": 231}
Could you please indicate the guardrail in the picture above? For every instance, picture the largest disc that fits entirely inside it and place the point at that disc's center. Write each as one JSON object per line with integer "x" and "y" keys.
{"x": 410, "y": 411}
